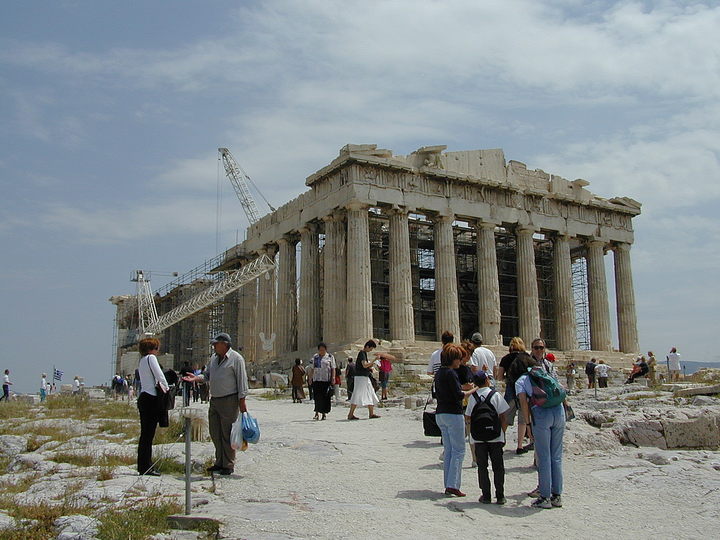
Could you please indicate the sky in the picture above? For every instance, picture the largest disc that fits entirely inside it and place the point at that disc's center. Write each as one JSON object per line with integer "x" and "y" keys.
{"x": 112, "y": 112}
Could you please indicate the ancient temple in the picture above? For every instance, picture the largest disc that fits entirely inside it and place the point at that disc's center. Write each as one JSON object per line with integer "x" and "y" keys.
{"x": 404, "y": 247}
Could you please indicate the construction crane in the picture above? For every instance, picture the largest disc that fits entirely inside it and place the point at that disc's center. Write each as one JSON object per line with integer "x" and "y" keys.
{"x": 240, "y": 180}
{"x": 148, "y": 318}
{"x": 151, "y": 324}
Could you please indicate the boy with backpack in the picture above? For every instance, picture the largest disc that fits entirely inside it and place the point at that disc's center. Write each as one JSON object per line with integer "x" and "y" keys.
{"x": 486, "y": 410}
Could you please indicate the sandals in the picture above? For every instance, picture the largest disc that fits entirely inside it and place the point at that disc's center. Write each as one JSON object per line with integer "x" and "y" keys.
{"x": 353, "y": 418}
{"x": 374, "y": 416}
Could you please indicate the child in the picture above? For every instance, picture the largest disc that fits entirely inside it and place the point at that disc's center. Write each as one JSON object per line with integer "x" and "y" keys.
{"x": 492, "y": 448}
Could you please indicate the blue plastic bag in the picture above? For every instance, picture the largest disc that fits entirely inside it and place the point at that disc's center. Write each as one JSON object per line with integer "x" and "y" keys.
{"x": 250, "y": 428}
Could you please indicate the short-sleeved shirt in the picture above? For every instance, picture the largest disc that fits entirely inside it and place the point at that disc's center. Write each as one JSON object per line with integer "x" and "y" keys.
{"x": 674, "y": 361}
{"x": 434, "y": 363}
{"x": 602, "y": 370}
{"x": 360, "y": 369}
{"x": 523, "y": 385}
{"x": 324, "y": 368}
{"x": 483, "y": 356}
{"x": 496, "y": 401}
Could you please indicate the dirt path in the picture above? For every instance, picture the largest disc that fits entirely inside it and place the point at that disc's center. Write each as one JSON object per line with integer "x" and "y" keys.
{"x": 382, "y": 479}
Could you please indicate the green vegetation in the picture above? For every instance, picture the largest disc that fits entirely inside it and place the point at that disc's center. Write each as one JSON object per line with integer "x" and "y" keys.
{"x": 132, "y": 522}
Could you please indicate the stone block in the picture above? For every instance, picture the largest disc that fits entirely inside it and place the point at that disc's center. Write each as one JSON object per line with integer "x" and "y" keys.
{"x": 11, "y": 445}
{"x": 697, "y": 391}
{"x": 701, "y": 432}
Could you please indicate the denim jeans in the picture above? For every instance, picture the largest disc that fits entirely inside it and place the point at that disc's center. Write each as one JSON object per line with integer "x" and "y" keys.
{"x": 452, "y": 427}
{"x": 548, "y": 429}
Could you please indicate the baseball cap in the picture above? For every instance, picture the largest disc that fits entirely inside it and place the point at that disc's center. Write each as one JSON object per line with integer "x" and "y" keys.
{"x": 480, "y": 378}
{"x": 222, "y": 338}
{"x": 476, "y": 337}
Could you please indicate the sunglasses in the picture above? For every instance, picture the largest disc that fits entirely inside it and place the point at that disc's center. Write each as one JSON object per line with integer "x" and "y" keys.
{"x": 538, "y": 347}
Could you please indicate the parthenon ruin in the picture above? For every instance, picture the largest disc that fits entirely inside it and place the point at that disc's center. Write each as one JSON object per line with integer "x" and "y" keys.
{"x": 402, "y": 248}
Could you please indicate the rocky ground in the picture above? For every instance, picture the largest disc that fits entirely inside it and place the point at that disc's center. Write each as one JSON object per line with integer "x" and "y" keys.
{"x": 382, "y": 478}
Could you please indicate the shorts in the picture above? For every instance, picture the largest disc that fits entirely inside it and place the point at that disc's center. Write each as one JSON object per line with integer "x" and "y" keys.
{"x": 384, "y": 378}
{"x": 512, "y": 411}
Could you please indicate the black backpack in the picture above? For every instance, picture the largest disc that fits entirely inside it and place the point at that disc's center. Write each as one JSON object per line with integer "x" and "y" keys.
{"x": 484, "y": 421}
{"x": 516, "y": 370}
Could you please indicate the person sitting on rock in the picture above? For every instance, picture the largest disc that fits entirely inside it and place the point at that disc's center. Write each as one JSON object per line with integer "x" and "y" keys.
{"x": 640, "y": 369}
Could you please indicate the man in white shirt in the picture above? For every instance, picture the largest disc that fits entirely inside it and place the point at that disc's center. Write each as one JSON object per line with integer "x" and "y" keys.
{"x": 482, "y": 358}
{"x": 492, "y": 448}
{"x": 673, "y": 359}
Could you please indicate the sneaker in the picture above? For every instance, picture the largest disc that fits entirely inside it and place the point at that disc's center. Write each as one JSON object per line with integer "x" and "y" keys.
{"x": 534, "y": 493}
{"x": 501, "y": 500}
{"x": 485, "y": 500}
{"x": 556, "y": 501}
{"x": 541, "y": 502}
{"x": 454, "y": 492}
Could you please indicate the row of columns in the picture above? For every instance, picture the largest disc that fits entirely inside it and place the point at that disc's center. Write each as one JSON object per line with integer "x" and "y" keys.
{"x": 346, "y": 313}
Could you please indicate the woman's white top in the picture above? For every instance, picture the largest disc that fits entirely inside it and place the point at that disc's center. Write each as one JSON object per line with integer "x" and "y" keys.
{"x": 43, "y": 383}
{"x": 151, "y": 374}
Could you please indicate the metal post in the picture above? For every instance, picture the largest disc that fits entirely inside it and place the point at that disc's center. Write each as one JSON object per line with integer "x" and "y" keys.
{"x": 188, "y": 440}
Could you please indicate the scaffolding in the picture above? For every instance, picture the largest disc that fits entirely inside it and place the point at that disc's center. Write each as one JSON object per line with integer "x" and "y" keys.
{"x": 580, "y": 297}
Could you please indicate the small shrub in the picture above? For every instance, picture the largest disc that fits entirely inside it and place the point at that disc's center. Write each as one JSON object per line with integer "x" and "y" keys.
{"x": 166, "y": 465}
{"x": 80, "y": 460}
{"x": 43, "y": 515}
{"x": 147, "y": 519}
{"x": 113, "y": 459}
{"x": 170, "y": 434}
{"x": 22, "y": 485}
{"x": 105, "y": 473}
{"x": 15, "y": 409}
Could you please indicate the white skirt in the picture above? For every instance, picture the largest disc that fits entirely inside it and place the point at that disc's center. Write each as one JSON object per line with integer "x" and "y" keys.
{"x": 363, "y": 393}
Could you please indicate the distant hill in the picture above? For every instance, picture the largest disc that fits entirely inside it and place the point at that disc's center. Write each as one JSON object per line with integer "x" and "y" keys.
{"x": 691, "y": 367}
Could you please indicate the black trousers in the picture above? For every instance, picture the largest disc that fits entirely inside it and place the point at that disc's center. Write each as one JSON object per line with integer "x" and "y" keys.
{"x": 494, "y": 450}
{"x": 149, "y": 418}
{"x": 321, "y": 396}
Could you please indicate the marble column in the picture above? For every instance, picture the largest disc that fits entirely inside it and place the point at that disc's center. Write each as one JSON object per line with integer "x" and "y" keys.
{"x": 563, "y": 292}
{"x": 286, "y": 315}
{"x": 447, "y": 311}
{"x": 527, "y": 287}
{"x": 625, "y": 298}
{"x": 600, "y": 336}
{"x": 359, "y": 292}
{"x": 402, "y": 317}
{"x": 264, "y": 323}
{"x": 488, "y": 284}
{"x": 308, "y": 327}
{"x": 247, "y": 311}
{"x": 335, "y": 279}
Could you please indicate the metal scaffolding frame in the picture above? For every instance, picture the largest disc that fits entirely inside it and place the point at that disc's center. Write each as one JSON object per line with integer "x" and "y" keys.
{"x": 580, "y": 297}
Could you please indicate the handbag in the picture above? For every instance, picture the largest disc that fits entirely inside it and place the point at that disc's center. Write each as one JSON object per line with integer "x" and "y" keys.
{"x": 430, "y": 427}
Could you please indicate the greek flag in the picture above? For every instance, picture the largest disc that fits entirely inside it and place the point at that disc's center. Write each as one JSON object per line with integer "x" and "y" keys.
{"x": 58, "y": 375}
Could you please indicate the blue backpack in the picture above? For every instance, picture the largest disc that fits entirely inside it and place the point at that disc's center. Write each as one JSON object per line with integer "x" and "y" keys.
{"x": 546, "y": 390}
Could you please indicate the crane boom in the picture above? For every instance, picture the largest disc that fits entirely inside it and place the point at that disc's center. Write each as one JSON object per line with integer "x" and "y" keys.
{"x": 150, "y": 323}
{"x": 240, "y": 180}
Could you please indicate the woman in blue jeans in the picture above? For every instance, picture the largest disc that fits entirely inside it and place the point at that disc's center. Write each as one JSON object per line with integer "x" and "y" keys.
{"x": 548, "y": 426}
{"x": 450, "y": 417}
